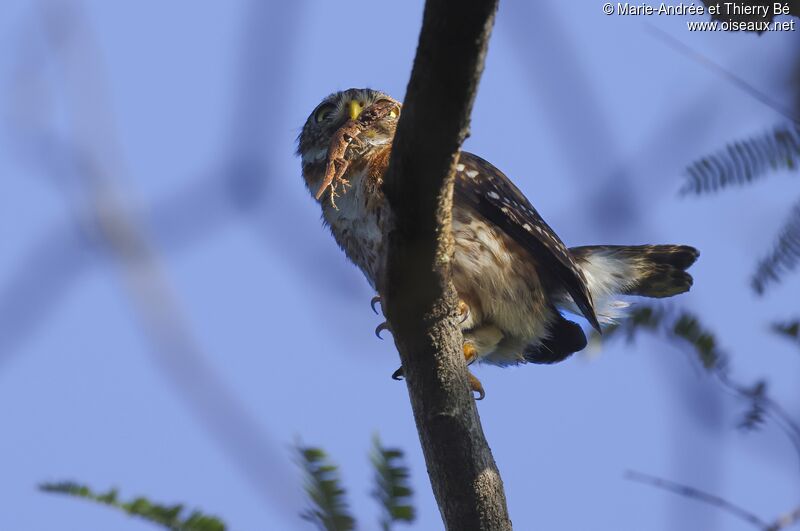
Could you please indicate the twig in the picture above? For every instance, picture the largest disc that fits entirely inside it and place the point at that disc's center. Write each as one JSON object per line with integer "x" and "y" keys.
{"x": 735, "y": 80}
{"x": 786, "y": 520}
{"x": 664, "y": 319}
{"x": 420, "y": 298}
{"x": 699, "y": 495}
{"x": 782, "y": 418}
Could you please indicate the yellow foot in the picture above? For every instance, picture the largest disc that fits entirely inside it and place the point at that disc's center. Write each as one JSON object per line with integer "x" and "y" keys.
{"x": 470, "y": 355}
{"x": 476, "y": 386}
{"x": 470, "y": 352}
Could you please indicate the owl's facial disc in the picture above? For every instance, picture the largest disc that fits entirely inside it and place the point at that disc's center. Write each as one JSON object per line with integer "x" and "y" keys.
{"x": 330, "y": 116}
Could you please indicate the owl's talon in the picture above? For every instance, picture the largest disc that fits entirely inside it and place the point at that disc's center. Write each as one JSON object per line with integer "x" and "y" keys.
{"x": 463, "y": 309}
{"x": 375, "y": 300}
{"x": 380, "y": 328}
{"x": 476, "y": 386}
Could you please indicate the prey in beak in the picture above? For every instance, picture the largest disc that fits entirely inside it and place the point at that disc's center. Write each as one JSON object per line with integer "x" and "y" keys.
{"x": 360, "y": 120}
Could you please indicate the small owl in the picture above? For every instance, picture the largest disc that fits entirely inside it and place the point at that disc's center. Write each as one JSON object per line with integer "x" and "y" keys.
{"x": 513, "y": 275}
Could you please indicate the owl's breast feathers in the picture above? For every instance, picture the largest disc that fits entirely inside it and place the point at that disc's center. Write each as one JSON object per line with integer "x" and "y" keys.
{"x": 360, "y": 220}
{"x": 507, "y": 260}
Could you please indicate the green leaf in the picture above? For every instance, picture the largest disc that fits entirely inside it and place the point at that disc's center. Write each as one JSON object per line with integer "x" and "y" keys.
{"x": 392, "y": 485}
{"x": 680, "y": 326}
{"x": 640, "y": 317}
{"x": 785, "y": 255}
{"x": 743, "y": 162}
{"x": 755, "y": 415}
{"x": 686, "y": 330}
{"x": 167, "y": 516}
{"x": 329, "y": 509}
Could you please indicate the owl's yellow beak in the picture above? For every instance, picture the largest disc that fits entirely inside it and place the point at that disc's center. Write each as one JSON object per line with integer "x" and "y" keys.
{"x": 354, "y": 108}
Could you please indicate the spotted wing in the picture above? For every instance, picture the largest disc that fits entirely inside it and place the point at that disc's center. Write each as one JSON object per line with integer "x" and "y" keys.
{"x": 492, "y": 195}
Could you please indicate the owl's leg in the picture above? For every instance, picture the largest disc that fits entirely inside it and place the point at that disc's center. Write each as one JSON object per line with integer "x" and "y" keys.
{"x": 478, "y": 343}
{"x": 476, "y": 386}
{"x": 471, "y": 353}
{"x": 481, "y": 341}
{"x": 463, "y": 310}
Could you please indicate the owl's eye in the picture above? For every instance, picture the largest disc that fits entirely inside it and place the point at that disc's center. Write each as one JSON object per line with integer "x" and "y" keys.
{"x": 393, "y": 113}
{"x": 323, "y": 113}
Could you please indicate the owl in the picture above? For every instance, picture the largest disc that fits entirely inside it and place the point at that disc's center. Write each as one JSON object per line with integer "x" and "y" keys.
{"x": 513, "y": 275}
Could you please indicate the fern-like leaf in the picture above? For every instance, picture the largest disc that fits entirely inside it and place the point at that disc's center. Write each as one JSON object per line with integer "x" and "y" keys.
{"x": 392, "y": 485}
{"x": 788, "y": 329}
{"x": 784, "y": 257}
{"x": 329, "y": 509}
{"x": 743, "y": 162}
{"x": 686, "y": 330}
{"x": 754, "y": 417}
{"x": 167, "y": 516}
{"x": 640, "y": 317}
{"x": 681, "y": 326}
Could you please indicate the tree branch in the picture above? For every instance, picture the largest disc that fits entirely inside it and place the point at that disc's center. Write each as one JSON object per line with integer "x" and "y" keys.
{"x": 786, "y": 520}
{"x": 697, "y": 494}
{"x": 420, "y": 298}
{"x": 782, "y": 522}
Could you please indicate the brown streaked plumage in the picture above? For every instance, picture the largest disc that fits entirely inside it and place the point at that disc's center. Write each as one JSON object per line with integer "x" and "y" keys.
{"x": 512, "y": 273}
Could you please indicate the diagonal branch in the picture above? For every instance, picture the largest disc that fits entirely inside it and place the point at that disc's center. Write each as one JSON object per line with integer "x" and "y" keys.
{"x": 696, "y": 494}
{"x": 420, "y": 299}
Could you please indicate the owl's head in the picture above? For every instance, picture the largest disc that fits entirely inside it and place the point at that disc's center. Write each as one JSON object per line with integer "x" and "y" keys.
{"x": 330, "y": 115}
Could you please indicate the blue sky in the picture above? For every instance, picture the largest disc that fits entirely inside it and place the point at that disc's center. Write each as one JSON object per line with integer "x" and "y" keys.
{"x": 192, "y": 111}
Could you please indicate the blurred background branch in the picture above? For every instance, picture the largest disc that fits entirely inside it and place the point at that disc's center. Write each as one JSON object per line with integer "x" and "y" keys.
{"x": 782, "y": 522}
{"x": 108, "y": 223}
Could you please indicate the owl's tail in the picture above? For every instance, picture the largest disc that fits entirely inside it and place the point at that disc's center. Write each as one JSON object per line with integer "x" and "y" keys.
{"x": 644, "y": 270}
